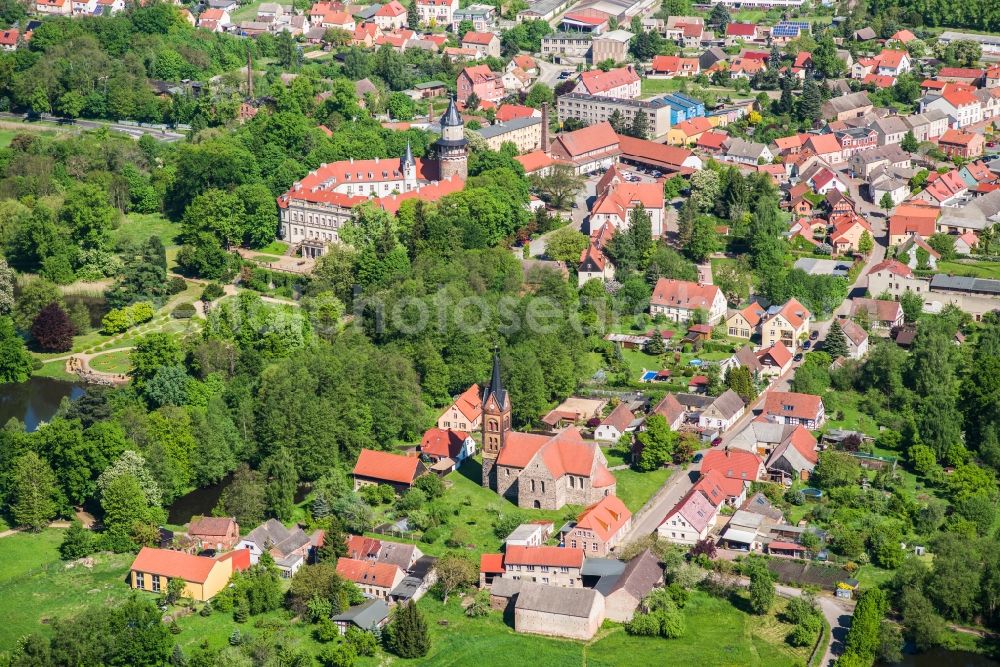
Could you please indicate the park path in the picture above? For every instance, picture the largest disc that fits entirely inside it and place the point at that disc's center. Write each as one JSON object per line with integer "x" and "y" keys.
{"x": 55, "y": 524}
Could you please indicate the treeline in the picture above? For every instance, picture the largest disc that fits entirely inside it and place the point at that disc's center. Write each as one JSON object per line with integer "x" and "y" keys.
{"x": 939, "y": 13}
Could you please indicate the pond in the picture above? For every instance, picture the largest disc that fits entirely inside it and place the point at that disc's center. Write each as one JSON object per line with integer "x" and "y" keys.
{"x": 940, "y": 656}
{"x": 203, "y": 501}
{"x": 96, "y": 306}
{"x": 36, "y": 400}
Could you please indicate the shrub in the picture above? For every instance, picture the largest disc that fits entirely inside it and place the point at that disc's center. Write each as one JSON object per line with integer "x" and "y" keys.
{"x": 212, "y": 292}
{"x": 801, "y": 635}
{"x": 183, "y": 311}
{"x": 176, "y": 285}
{"x": 433, "y": 535}
{"x": 121, "y": 319}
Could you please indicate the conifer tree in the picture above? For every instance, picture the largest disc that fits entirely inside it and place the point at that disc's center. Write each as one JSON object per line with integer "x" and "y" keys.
{"x": 811, "y": 103}
{"x": 836, "y": 342}
{"x": 409, "y": 637}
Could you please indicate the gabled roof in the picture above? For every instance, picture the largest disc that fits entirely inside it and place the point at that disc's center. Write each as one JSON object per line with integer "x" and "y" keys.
{"x": 710, "y": 484}
{"x": 777, "y": 353}
{"x": 741, "y": 29}
{"x": 792, "y": 404}
{"x": 391, "y": 9}
{"x": 273, "y": 536}
{"x": 478, "y": 73}
{"x": 364, "y": 572}
{"x": 793, "y": 312}
{"x": 695, "y": 508}
{"x": 597, "y": 81}
{"x": 955, "y": 137}
{"x": 550, "y": 556}
{"x": 387, "y": 466}
{"x": 727, "y": 405}
{"x": 443, "y": 442}
{"x": 903, "y": 36}
{"x": 853, "y": 331}
{"x": 564, "y": 453}
{"x": 670, "y": 408}
{"x": 362, "y": 548}
{"x": 879, "y": 309}
{"x": 558, "y": 600}
{"x": 491, "y": 564}
{"x": 212, "y": 525}
{"x": 641, "y": 575}
{"x": 508, "y": 112}
{"x": 481, "y": 38}
{"x": 732, "y": 464}
{"x": 620, "y": 418}
{"x": 694, "y": 126}
{"x": 175, "y": 564}
{"x": 588, "y": 139}
{"x": 469, "y": 403}
{"x": 683, "y": 294}
{"x": 891, "y": 58}
{"x": 823, "y": 144}
{"x": 605, "y": 517}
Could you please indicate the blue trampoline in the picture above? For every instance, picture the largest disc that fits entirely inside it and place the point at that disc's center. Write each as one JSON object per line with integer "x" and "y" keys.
{"x": 696, "y": 362}
{"x": 649, "y": 376}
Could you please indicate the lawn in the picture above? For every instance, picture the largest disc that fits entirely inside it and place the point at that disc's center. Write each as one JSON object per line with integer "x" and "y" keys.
{"x": 274, "y": 248}
{"x": 137, "y": 227}
{"x": 978, "y": 269}
{"x": 36, "y": 586}
{"x": 113, "y": 362}
{"x": 635, "y": 488}
{"x": 660, "y": 86}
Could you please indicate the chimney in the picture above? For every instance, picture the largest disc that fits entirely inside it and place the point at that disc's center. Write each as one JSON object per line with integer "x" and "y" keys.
{"x": 545, "y": 127}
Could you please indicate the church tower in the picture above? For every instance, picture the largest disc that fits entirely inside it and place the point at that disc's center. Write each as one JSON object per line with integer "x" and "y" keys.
{"x": 452, "y": 147}
{"x": 496, "y": 423}
{"x": 408, "y": 167}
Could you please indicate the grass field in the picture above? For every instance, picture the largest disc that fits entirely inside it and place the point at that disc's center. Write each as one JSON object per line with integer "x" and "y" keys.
{"x": 137, "y": 227}
{"x": 660, "y": 86}
{"x": 113, "y": 362}
{"x": 979, "y": 269}
{"x": 635, "y": 488}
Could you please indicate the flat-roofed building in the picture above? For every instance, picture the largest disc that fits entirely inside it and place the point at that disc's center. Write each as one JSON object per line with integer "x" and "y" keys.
{"x": 593, "y": 109}
{"x": 525, "y": 133}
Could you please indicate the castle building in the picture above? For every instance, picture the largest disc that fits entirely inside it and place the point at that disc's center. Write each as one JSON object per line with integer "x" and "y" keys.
{"x": 538, "y": 471}
{"x": 314, "y": 208}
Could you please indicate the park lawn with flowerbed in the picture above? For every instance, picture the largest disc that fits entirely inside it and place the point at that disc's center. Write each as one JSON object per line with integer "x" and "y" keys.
{"x": 113, "y": 362}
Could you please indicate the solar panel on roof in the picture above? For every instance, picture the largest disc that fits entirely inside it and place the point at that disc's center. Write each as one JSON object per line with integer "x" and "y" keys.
{"x": 785, "y": 31}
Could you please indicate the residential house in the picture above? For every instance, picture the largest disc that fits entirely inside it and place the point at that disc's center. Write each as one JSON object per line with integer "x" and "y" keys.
{"x": 827, "y": 147}
{"x": 671, "y": 410}
{"x": 909, "y": 251}
{"x": 669, "y": 67}
{"x": 736, "y": 469}
{"x": 220, "y": 533}
{"x": 788, "y": 324}
{"x": 967, "y": 145}
{"x": 970, "y": 76}
{"x": 856, "y": 139}
{"x": 795, "y": 457}
{"x": 746, "y": 323}
{"x": 966, "y": 243}
{"x": 641, "y": 575}
{"x": 479, "y": 79}
{"x": 956, "y": 101}
{"x": 737, "y": 32}
{"x": 775, "y": 360}
{"x": 929, "y": 125}
{"x": 848, "y": 230}
{"x": 54, "y": 7}
{"x": 844, "y": 107}
{"x": 687, "y": 132}
{"x": 483, "y": 17}
{"x": 390, "y": 16}
{"x": 216, "y": 20}
{"x": 376, "y": 580}
{"x": 712, "y": 142}
{"x": 465, "y": 413}
{"x": 917, "y": 217}
{"x": 890, "y": 130}
{"x": 619, "y": 83}
{"x": 786, "y": 407}
{"x": 370, "y": 616}
{"x": 8, "y": 39}
{"x": 763, "y": 437}
{"x": 943, "y": 189}
{"x": 747, "y": 152}
{"x": 290, "y": 548}
{"x": 445, "y": 446}
{"x": 678, "y": 300}
{"x": 865, "y": 164}
{"x": 528, "y": 535}
{"x": 397, "y": 470}
{"x": 722, "y": 413}
{"x": 594, "y": 263}
{"x": 203, "y": 577}
{"x": 558, "y": 612}
{"x": 484, "y": 43}
{"x": 615, "y": 425}
{"x": 690, "y": 520}
{"x": 617, "y": 198}
{"x": 433, "y": 13}
{"x": 857, "y": 339}
{"x": 600, "y": 527}
{"x": 882, "y": 315}
{"x": 556, "y": 566}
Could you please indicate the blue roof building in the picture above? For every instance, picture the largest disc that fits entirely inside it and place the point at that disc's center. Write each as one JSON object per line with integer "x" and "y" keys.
{"x": 682, "y": 107}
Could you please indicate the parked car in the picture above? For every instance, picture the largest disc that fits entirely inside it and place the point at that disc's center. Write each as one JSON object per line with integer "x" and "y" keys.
{"x": 717, "y": 441}
{"x": 814, "y": 335}
{"x": 806, "y": 345}
{"x": 697, "y": 458}
{"x": 798, "y": 357}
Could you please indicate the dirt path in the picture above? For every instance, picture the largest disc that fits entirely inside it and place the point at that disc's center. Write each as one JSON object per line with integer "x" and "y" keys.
{"x": 55, "y": 524}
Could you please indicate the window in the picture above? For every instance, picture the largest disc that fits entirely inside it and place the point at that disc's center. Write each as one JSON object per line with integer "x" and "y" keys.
{"x": 156, "y": 583}
{"x": 593, "y": 547}
{"x": 572, "y": 545}
{"x": 140, "y": 579}
{"x": 564, "y": 570}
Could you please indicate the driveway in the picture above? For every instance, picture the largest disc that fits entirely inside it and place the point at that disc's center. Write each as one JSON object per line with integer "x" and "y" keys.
{"x": 837, "y": 613}
{"x": 549, "y": 74}
{"x": 859, "y": 287}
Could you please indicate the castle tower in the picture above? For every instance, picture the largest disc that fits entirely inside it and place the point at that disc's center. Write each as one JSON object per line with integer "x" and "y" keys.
{"x": 408, "y": 166}
{"x": 496, "y": 422}
{"x": 452, "y": 147}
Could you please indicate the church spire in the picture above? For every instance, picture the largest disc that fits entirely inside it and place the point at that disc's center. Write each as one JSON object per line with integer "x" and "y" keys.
{"x": 495, "y": 387}
{"x": 408, "y": 160}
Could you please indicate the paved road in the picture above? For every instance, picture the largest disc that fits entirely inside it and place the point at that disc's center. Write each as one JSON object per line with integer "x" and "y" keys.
{"x": 679, "y": 483}
{"x": 134, "y": 131}
{"x": 837, "y": 613}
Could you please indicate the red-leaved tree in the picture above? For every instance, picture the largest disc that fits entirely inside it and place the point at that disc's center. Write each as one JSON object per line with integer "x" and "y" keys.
{"x": 52, "y": 329}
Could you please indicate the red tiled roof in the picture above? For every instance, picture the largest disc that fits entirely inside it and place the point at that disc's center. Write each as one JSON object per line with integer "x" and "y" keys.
{"x": 794, "y": 312}
{"x": 670, "y": 408}
{"x": 392, "y": 8}
{"x": 693, "y": 126}
{"x": 792, "y": 404}
{"x": 482, "y": 38}
{"x": 491, "y": 564}
{"x": 673, "y": 64}
{"x": 620, "y": 418}
{"x": 605, "y": 517}
{"x": 683, "y": 294}
{"x": 362, "y": 548}
{"x": 955, "y": 137}
{"x": 239, "y": 557}
{"x": 710, "y": 484}
{"x": 443, "y": 442}
{"x": 211, "y": 525}
{"x": 712, "y": 140}
{"x": 741, "y": 29}
{"x": 9, "y": 37}
{"x": 668, "y": 156}
{"x": 802, "y": 58}
{"x": 732, "y": 464}
{"x": 173, "y": 564}
{"x": 958, "y": 97}
{"x": 891, "y": 58}
{"x": 534, "y": 161}
{"x": 879, "y": 80}
{"x": 210, "y": 15}
{"x": 368, "y": 573}
{"x": 905, "y": 224}
{"x": 695, "y": 508}
{"x": 903, "y": 36}
{"x": 386, "y": 466}
{"x": 778, "y": 353}
{"x": 824, "y": 143}
{"x": 591, "y": 19}
{"x": 597, "y": 81}
{"x": 960, "y": 72}
{"x": 508, "y": 112}
{"x": 785, "y": 546}
{"x": 589, "y": 139}
{"x": 470, "y": 403}
{"x": 550, "y": 556}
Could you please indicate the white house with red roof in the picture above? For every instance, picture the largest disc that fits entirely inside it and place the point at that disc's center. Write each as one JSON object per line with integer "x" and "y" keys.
{"x": 465, "y": 413}
{"x": 775, "y": 360}
{"x": 891, "y": 62}
{"x": 446, "y": 445}
{"x": 390, "y": 16}
{"x": 893, "y": 277}
{"x": 690, "y": 520}
{"x": 668, "y": 67}
{"x": 737, "y": 469}
{"x": 216, "y": 20}
{"x": 397, "y": 470}
{"x": 958, "y": 102}
{"x": 787, "y": 407}
{"x": 8, "y": 39}
{"x": 678, "y": 300}
{"x": 619, "y": 198}
{"x": 554, "y": 566}
{"x": 436, "y": 12}
{"x": 788, "y": 324}
{"x": 599, "y": 528}
{"x": 619, "y": 83}
{"x": 748, "y": 32}
{"x": 615, "y": 425}
{"x": 340, "y": 20}
{"x": 54, "y": 7}
{"x": 484, "y": 43}
{"x": 376, "y": 580}
{"x": 826, "y": 147}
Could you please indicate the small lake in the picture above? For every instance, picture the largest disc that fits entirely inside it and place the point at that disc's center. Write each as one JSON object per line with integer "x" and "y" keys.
{"x": 203, "y": 501}
{"x": 939, "y": 656}
{"x": 36, "y": 400}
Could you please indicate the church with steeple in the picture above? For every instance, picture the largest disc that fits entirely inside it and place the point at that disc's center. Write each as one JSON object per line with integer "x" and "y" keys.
{"x": 314, "y": 208}
{"x": 535, "y": 470}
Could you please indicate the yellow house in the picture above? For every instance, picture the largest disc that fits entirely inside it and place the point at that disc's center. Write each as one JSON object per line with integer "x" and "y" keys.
{"x": 688, "y": 132}
{"x": 745, "y": 323}
{"x": 789, "y": 325}
{"x": 203, "y": 577}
